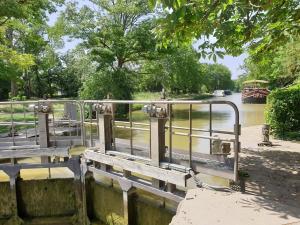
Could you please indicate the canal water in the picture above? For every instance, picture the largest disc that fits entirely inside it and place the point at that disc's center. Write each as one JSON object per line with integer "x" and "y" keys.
{"x": 223, "y": 118}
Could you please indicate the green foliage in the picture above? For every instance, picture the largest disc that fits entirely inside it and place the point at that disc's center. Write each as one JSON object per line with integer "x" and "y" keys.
{"x": 217, "y": 77}
{"x": 4, "y": 88}
{"x": 118, "y": 37}
{"x": 229, "y": 25}
{"x": 283, "y": 112}
{"x": 16, "y": 21}
{"x": 238, "y": 83}
{"x": 281, "y": 68}
{"x": 178, "y": 71}
{"x": 99, "y": 84}
{"x": 115, "y": 83}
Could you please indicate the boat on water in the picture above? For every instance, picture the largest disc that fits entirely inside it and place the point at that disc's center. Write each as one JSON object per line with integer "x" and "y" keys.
{"x": 219, "y": 93}
{"x": 255, "y": 92}
{"x": 228, "y": 92}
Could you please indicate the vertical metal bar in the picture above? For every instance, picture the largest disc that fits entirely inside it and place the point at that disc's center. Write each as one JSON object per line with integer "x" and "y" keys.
{"x": 113, "y": 127}
{"x": 54, "y": 133}
{"x": 150, "y": 156}
{"x": 12, "y": 123}
{"x": 82, "y": 124}
{"x": 170, "y": 133}
{"x": 190, "y": 135}
{"x": 130, "y": 122}
{"x": 97, "y": 121}
{"x": 24, "y": 111}
{"x": 91, "y": 128}
{"x": 237, "y": 133}
{"x": 210, "y": 128}
{"x": 69, "y": 125}
{"x": 35, "y": 128}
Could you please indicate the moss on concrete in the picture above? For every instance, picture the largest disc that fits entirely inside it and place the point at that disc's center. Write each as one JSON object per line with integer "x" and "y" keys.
{"x": 5, "y": 200}
{"x": 54, "y": 198}
{"x": 147, "y": 213}
{"x": 46, "y": 198}
{"x": 107, "y": 206}
{"x": 107, "y": 202}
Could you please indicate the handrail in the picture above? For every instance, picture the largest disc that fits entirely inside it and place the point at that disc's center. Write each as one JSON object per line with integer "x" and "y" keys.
{"x": 131, "y": 125}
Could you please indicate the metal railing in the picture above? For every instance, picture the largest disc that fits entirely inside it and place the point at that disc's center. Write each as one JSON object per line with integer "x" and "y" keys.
{"x": 25, "y": 114}
{"x": 173, "y": 130}
{"x": 87, "y": 117}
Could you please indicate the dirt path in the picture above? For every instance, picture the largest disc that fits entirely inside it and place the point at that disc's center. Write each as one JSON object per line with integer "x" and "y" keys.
{"x": 274, "y": 171}
{"x": 272, "y": 189}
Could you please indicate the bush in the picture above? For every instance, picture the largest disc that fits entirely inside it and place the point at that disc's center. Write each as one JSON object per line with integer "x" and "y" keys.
{"x": 283, "y": 112}
{"x": 115, "y": 83}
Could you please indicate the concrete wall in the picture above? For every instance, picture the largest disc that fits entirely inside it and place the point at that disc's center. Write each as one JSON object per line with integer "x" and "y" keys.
{"x": 52, "y": 197}
{"x": 5, "y": 199}
{"x": 105, "y": 203}
{"x": 56, "y": 198}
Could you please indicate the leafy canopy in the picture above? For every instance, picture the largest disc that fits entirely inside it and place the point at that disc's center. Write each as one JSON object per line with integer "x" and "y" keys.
{"x": 230, "y": 25}
{"x": 17, "y": 18}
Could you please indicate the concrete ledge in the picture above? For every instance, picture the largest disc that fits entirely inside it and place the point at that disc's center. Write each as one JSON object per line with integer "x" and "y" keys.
{"x": 202, "y": 207}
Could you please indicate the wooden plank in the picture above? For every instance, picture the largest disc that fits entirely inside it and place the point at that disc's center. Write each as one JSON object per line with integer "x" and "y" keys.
{"x": 170, "y": 176}
{"x": 27, "y": 153}
{"x": 140, "y": 184}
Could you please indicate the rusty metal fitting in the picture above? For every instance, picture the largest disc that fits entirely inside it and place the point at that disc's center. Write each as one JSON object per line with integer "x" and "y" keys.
{"x": 155, "y": 111}
{"x": 102, "y": 108}
{"x": 44, "y": 108}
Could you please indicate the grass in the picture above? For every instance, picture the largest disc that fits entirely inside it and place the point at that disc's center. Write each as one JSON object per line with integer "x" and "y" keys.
{"x": 147, "y": 96}
{"x": 16, "y": 118}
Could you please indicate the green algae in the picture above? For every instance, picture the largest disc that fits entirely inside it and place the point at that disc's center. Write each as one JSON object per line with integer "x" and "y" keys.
{"x": 5, "y": 200}
{"x": 46, "y": 198}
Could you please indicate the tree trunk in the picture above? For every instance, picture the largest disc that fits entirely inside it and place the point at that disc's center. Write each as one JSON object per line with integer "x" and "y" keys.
{"x": 13, "y": 88}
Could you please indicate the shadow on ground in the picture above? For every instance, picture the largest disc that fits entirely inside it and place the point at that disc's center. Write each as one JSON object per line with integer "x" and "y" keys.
{"x": 274, "y": 179}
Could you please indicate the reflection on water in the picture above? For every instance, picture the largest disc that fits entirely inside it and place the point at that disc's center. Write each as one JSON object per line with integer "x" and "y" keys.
{"x": 222, "y": 119}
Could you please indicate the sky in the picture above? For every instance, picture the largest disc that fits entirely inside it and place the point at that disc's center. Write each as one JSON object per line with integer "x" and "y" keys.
{"x": 233, "y": 63}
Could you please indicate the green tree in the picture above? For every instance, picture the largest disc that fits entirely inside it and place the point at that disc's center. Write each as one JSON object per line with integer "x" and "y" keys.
{"x": 280, "y": 68}
{"x": 238, "y": 83}
{"x": 217, "y": 77}
{"x": 178, "y": 70}
{"x": 78, "y": 66}
{"x": 118, "y": 36}
{"x": 17, "y": 19}
{"x": 229, "y": 25}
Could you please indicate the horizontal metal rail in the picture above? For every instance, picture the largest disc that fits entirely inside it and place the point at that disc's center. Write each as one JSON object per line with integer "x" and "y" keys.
{"x": 88, "y": 119}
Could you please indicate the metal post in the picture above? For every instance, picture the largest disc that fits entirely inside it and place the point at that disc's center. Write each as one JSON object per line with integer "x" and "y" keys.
{"x": 79, "y": 187}
{"x": 170, "y": 133}
{"x": 91, "y": 128}
{"x": 130, "y": 123}
{"x": 157, "y": 149}
{"x": 210, "y": 128}
{"x": 13, "y": 174}
{"x": 12, "y": 131}
{"x": 43, "y": 115}
{"x": 157, "y": 134}
{"x": 190, "y": 135}
{"x": 127, "y": 201}
{"x": 70, "y": 110}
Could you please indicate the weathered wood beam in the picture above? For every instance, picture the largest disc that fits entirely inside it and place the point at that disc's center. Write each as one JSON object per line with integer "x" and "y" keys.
{"x": 169, "y": 176}
{"x": 34, "y": 152}
{"x": 138, "y": 183}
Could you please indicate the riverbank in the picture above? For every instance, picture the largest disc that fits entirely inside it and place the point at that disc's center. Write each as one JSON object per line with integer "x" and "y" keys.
{"x": 157, "y": 96}
{"x": 272, "y": 189}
